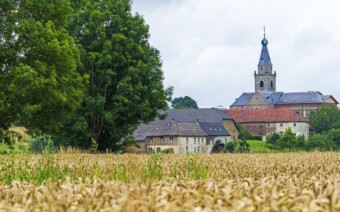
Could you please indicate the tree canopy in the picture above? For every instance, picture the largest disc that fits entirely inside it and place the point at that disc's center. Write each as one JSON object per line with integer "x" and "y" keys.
{"x": 39, "y": 84}
{"x": 125, "y": 77}
{"x": 184, "y": 102}
{"x": 325, "y": 118}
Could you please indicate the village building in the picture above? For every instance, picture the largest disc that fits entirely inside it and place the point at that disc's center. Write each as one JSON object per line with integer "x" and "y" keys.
{"x": 266, "y": 96}
{"x": 265, "y": 121}
{"x": 186, "y": 131}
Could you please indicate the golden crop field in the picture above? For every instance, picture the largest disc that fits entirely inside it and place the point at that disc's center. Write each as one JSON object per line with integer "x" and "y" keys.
{"x": 220, "y": 182}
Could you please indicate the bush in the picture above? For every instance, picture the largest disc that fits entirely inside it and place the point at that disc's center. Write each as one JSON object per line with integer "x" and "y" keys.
{"x": 273, "y": 138}
{"x": 40, "y": 144}
{"x": 230, "y": 146}
{"x": 321, "y": 142}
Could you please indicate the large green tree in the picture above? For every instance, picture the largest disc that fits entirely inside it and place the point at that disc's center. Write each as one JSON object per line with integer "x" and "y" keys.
{"x": 184, "y": 102}
{"x": 325, "y": 118}
{"x": 126, "y": 80}
{"x": 39, "y": 84}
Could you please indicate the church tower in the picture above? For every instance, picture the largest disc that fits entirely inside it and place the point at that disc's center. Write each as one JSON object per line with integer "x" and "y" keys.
{"x": 265, "y": 79}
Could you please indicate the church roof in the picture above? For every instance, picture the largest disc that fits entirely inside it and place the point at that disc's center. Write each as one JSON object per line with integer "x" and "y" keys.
{"x": 264, "y": 57}
{"x": 284, "y": 98}
{"x": 265, "y": 115}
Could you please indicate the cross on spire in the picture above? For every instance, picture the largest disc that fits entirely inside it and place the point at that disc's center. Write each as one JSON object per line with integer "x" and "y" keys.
{"x": 264, "y": 31}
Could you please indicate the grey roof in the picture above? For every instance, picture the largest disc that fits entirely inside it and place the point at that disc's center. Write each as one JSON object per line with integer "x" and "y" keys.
{"x": 243, "y": 99}
{"x": 214, "y": 129}
{"x": 264, "y": 57}
{"x": 185, "y": 122}
{"x": 192, "y": 115}
{"x": 283, "y": 98}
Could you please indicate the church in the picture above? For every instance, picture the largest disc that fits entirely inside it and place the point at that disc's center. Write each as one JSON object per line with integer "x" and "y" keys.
{"x": 266, "y": 96}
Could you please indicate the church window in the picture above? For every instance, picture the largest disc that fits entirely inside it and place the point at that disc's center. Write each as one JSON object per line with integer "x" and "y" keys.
{"x": 271, "y": 84}
{"x": 261, "y": 84}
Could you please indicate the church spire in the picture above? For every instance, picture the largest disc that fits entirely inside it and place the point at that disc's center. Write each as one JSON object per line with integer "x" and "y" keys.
{"x": 265, "y": 79}
{"x": 264, "y": 57}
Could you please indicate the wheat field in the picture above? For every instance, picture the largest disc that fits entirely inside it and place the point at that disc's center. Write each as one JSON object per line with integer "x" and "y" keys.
{"x": 221, "y": 182}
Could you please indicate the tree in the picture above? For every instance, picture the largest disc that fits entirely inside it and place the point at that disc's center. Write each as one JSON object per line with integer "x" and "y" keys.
{"x": 126, "y": 80}
{"x": 243, "y": 135}
{"x": 39, "y": 85}
{"x": 325, "y": 118}
{"x": 184, "y": 102}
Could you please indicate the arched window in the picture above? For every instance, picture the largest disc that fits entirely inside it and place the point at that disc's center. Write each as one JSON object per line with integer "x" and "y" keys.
{"x": 261, "y": 84}
{"x": 271, "y": 84}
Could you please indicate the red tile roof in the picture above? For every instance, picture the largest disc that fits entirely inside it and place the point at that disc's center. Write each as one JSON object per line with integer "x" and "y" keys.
{"x": 271, "y": 115}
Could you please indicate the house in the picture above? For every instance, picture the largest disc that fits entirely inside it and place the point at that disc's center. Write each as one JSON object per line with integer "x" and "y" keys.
{"x": 186, "y": 131}
{"x": 265, "y": 121}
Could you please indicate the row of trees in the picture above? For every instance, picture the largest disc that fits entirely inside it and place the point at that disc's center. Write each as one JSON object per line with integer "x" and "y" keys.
{"x": 79, "y": 70}
{"x": 326, "y": 123}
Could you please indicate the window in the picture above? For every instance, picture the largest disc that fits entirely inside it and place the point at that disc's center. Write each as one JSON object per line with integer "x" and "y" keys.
{"x": 194, "y": 140}
{"x": 158, "y": 149}
{"x": 150, "y": 150}
{"x": 294, "y": 124}
{"x": 202, "y": 140}
{"x": 151, "y": 140}
{"x": 297, "y": 112}
{"x": 187, "y": 140}
{"x": 261, "y": 84}
{"x": 281, "y": 125}
{"x": 162, "y": 140}
{"x": 248, "y": 126}
{"x": 271, "y": 84}
{"x": 195, "y": 150}
{"x": 198, "y": 141}
{"x": 268, "y": 125}
{"x": 171, "y": 140}
{"x": 187, "y": 149}
{"x": 198, "y": 149}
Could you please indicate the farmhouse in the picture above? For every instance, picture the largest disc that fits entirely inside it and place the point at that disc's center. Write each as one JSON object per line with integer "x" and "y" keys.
{"x": 187, "y": 131}
{"x": 264, "y": 121}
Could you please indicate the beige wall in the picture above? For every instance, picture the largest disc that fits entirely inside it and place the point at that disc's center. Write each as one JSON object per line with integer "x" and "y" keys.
{"x": 300, "y": 128}
{"x": 192, "y": 144}
{"x": 231, "y": 127}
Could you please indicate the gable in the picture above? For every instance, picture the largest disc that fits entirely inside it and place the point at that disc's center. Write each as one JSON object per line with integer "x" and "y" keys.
{"x": 330, "y": 99}
{"x": 257, "y": 100}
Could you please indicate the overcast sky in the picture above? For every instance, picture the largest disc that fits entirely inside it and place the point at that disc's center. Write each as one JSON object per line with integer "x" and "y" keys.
{"x": 210, "y": 48}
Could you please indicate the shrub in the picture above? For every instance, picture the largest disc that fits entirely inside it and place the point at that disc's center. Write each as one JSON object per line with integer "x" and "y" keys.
{"x": 40, "y": 144}
{"x": 230, "y": 146}
{"x": 273, "y": 138}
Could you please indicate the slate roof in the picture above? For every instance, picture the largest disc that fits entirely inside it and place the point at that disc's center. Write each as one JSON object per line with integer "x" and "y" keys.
{"x": 185, "y": 122}
{"x": 264, "y": 57}
{"x": 284, "y": 98}
{"x": 214, "y": 129}
{"x": 192, "y": 115}
{"x": 265, "y": 115}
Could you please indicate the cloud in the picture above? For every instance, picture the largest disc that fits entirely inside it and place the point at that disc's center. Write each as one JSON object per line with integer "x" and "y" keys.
{"x": 210, "y": 48}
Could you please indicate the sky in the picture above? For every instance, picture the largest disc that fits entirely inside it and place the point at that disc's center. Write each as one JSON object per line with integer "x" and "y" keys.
{"x": 211, "y": 48}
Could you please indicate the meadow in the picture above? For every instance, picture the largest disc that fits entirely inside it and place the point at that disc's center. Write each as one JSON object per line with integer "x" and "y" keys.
{"x": 128, "y": 182}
